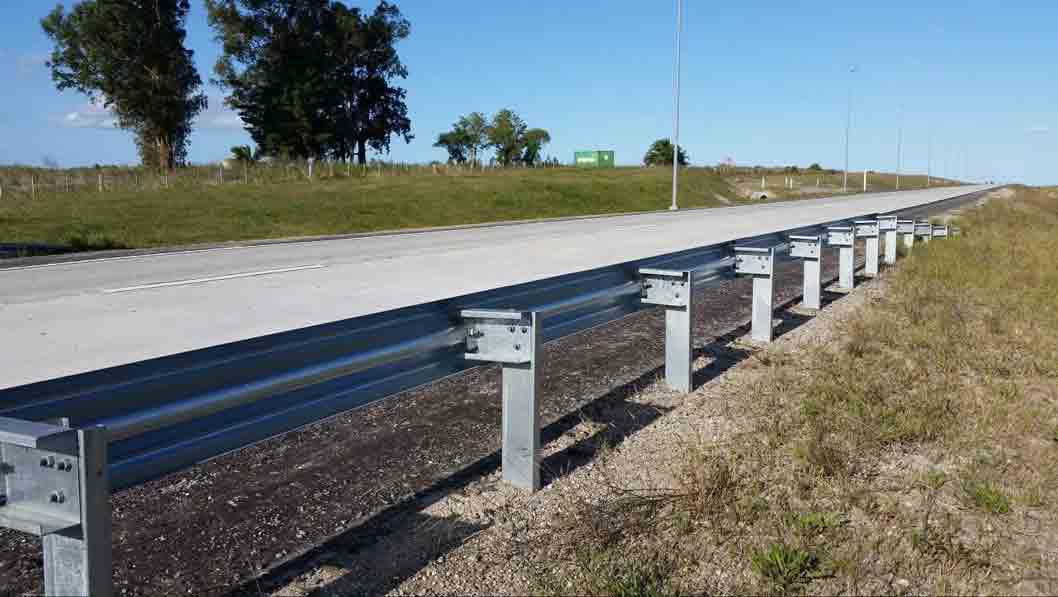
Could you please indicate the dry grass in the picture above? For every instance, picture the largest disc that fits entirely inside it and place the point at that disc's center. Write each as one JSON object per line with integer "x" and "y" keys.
{"x": 915, "y": 455}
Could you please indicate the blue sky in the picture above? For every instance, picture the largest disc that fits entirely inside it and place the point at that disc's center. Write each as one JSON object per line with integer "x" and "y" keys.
{"x": 763, "y": 82}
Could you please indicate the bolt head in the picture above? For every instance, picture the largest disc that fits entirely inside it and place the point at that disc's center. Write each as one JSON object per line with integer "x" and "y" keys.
{"x": 517, "y": 346}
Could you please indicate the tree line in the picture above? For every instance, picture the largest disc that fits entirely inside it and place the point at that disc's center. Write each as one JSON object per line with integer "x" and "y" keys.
{"x": 309, "y": 78}
{"x": 511, "y": 138}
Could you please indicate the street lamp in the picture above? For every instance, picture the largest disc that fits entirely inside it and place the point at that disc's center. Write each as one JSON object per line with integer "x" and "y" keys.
{"x": 676, "y": 96}
{"x": 848, "y": 126}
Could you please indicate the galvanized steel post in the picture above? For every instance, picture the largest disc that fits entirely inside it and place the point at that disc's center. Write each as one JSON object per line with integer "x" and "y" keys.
{"x": 888, "y": 225}
{"x": 868, "y": 230}
{"x": 512, "y": 339}
{"x": 56, "y": 485}
{"x": 673, "y": 290}
{"x": 906, "y": 228}
{"x": 810, "y": 250}
{"x": 759, "y": 263}
{"x": 843, "y": 238}
{"x": 923, "y": 230}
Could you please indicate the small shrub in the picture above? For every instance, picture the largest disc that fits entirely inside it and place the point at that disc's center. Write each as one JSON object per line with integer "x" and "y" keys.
{"x": 987, "y": 496}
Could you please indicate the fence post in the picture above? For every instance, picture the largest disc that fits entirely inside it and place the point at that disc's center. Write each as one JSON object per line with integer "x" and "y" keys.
{"x": 673, "y": 290}
{"x": 512, "y": 338}
{"x": 843, "y": 238}
{"x": 810, "y": 250}
{"x": 888, "y": 225}
{"x": 100, "y": 182}
{"x": 759, "y": 263}
{"x": 868, "y": 230}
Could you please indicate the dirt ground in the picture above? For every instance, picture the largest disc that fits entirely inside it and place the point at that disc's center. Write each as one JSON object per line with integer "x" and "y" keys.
{"x": 379, "y": 499}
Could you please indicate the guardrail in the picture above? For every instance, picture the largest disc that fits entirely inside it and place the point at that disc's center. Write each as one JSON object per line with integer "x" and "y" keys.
{"x": 66, "y": 444}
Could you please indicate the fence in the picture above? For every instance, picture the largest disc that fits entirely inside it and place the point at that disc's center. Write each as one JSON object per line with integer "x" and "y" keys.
{"x": 66, "y": 444}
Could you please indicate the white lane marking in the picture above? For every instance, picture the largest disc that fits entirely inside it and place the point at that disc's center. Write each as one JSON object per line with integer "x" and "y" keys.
{"x": 213, "y": 279}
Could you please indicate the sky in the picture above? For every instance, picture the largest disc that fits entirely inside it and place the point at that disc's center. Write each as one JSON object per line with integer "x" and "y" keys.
{"x": 762, "y": 83}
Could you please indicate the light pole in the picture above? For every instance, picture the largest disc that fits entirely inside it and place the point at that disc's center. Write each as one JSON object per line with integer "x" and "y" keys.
{"x": 848, "y": 127}
{"x": 899, "y": 143}
{"x": 676, "y": 120}
{"x": 929, "y": 158}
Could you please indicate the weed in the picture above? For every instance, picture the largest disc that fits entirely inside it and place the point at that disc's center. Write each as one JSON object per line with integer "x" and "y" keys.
{"x": 784, "y": 567}
{"x": 987, "y": 496}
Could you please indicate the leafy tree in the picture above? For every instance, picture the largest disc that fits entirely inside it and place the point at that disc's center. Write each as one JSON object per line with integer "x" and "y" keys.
{"x": 534, "y": 141}
{"x": 242, "y": 153}
{"x": 661, "y": 152}
{"x": 475, "y": 128}
{"x": 506, "y": 134}
{"x": 313, "y": 78}
{"x": 815, "y": 167}
{"x": 456, "y": 143}
{"x": 131, "y": 57}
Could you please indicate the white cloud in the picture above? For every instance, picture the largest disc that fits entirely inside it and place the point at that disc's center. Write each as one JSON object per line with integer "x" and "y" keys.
{"x": 218, "y": 116}
{"x": 92, "y": 115}
{"x": 1038, "y": 129}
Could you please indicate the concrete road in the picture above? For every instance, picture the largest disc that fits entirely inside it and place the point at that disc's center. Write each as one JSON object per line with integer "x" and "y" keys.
{"x": 67, "y": 318}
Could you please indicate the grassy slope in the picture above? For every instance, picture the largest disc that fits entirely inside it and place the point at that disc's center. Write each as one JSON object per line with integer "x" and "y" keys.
{"x": 915, "y": 457}
{"x": 238, "y": 212}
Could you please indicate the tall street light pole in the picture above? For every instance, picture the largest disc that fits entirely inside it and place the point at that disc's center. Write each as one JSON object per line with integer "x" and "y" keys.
{"x": 929, "y": 158}
{"x": 848, "y": 127}
{"x": 676, "y": 95}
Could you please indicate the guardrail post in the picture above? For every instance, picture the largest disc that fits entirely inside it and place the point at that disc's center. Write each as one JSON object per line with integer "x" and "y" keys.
{"x": 868, "y": 230}
{"x": 810, "y": 250}
{"x": 923, "y": 230}
{"x": 512, "y": 338}
{"x": 55, "y": 484}
{"x": 906, "y": 228}
{"x": 759, "y": 263}
{"x": 843, "y": 237}
{"x": 673, "y": 290}
{"x": 888, "y": 226}
{"x": 939, "y": 231}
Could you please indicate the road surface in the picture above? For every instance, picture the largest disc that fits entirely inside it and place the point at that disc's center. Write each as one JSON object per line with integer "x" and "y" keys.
{"x": 67, "y": 318}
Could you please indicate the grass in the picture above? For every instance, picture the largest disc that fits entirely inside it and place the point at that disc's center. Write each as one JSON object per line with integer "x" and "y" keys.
{"x": 214, "y": 213}
{"x": 201, "y": 210}
{"x": 911, "y": 454}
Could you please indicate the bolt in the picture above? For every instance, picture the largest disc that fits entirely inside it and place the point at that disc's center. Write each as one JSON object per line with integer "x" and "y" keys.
{"x": 517, "y": 346}
{"x": 68, "y": 466}
{"x": 525, "y": 330}
{"x": 3, "y": 500}
{"x": 57, "y": 497}
{"x": 44, "y": 462}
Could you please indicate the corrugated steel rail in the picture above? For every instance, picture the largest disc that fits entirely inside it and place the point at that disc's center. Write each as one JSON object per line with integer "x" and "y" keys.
{"x": 166, "y": 414}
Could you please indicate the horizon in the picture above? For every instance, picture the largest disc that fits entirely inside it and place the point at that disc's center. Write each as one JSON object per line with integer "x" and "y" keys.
{"x": 600, "y": 77}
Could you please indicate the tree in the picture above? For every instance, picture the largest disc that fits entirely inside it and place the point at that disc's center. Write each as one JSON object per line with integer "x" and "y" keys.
{"x": 534, "y": 141}
{"x": 456, "y": 143}
{"x": 131, "y": 57}
{"x": 313, "y": 78}
{"x": 242, "y": 153}
{"x": 475, "y": 129}
{"x": 815, "y": 167}
{"x": 506, "y": 135}
{"x": 661, "y": 152}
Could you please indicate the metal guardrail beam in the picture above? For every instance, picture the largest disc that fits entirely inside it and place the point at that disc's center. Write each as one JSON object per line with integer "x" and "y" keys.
{"x": 129, "y": 424}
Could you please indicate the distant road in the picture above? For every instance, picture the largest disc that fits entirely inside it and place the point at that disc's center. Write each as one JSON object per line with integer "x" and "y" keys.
{"x": 66, "y": 318}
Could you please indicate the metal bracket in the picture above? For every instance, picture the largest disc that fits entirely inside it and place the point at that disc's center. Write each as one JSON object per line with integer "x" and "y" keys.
{"x": 866, "y": 228}
{"x": 940, "y": 231}
{"x": 905, "y": 226}
{"x": 840, "y": 236}
{"x": 39, "y": 470}
{"x": 806, "y": 247}
{"x": 665, "y": 287}
{"x": 923, "y": 229}
{"x": 887, "y": 227}
{"x": 754, "y": 261}
{"x": 887, "y": 223}
{"x": 498, "y": 336}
